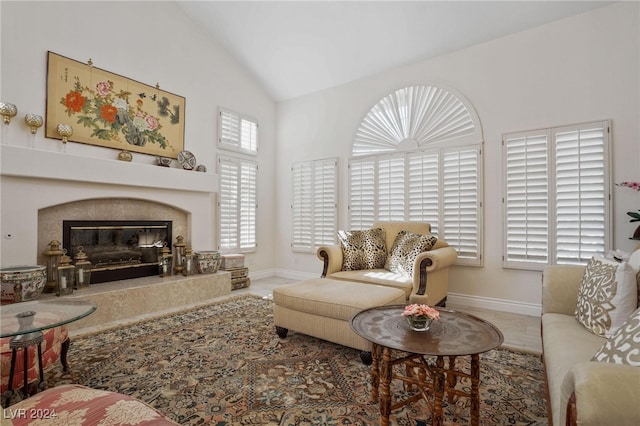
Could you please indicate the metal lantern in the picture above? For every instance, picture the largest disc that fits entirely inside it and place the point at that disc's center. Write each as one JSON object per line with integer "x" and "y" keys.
{"x": 165, "y": 262}
{"x": 83, "y": 269}
{"x": 179, "y": 254}
{"x": 188, "y": 263}
{"x": 66, "y": 275}
{"x": 53, "y": 254}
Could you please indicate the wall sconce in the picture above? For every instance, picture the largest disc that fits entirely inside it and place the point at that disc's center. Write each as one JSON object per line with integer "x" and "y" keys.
{"x": 8, "y": 111}
{"x": 64, "y": 130}
{"x": 34, "y": 122}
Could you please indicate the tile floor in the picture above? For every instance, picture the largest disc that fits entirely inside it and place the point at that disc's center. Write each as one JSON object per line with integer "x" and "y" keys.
{"x": 521, "y": 332}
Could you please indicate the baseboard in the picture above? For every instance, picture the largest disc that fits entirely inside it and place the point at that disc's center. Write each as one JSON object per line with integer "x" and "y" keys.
{"x": 282, "y": 273}
{"x": 501, "y": 305}
{"x": 456, "y": 299}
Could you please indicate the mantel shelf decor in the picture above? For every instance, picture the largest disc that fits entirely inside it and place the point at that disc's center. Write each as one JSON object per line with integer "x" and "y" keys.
{"x": 112, "y": 111}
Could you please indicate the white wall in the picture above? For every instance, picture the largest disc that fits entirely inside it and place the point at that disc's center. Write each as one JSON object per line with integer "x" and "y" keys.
{"x": 579, "y": 69}
{"x": 145, "y": 41}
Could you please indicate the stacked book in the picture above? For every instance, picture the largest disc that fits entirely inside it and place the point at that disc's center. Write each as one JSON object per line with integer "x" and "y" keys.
{"x": 234, "y": 263}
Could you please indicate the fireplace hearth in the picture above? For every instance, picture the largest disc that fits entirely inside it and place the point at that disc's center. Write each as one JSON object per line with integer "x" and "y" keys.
{"x": 118, "y": 249}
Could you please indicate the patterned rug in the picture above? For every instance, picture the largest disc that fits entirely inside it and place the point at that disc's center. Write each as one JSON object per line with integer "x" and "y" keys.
{"x": 223, "y": 364}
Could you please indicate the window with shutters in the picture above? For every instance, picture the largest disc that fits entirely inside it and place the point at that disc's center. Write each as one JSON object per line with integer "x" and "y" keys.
{"x": 440, "y": 186}
{"x": 237, "y": 204}
{"x": 314, "y": 204}
{"x": 556, "y": 195}
{"x": 417, "y": 156}
{"x": 237, "y": 132}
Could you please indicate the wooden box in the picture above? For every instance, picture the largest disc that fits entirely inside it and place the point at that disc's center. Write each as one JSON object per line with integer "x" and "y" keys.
{"x": 240, "y": 283}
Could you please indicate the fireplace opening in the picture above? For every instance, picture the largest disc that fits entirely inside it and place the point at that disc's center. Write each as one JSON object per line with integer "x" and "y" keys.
{"x": 117, "y": 249}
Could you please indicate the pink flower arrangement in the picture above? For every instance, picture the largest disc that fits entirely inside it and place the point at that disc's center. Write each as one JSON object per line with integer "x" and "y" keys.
{"x": 632, "y": 185}
{"x": 417, "y": 310}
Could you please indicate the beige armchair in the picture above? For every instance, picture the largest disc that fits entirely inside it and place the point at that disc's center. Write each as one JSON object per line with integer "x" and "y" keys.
{"x": 430, "y": 280}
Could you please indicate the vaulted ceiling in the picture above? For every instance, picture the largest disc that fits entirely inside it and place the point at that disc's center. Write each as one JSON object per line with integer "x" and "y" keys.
{"x": 295, "y": 48}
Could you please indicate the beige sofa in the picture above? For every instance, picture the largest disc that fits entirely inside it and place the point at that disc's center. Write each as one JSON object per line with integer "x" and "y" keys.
{"x": 430, "y": 281}
{"x": 581, "y": 391}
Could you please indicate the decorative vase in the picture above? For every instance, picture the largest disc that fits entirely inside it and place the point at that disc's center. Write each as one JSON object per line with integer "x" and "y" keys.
{"x": 207, "y": 262}
{"x": 22, "y": 283}
{"x": 419, "y": 323}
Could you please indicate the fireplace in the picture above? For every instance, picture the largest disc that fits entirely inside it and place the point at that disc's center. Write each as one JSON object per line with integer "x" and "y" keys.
{"x": 118, "y": 249}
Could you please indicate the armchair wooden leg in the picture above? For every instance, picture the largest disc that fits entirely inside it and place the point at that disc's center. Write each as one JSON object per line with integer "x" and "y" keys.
{"x": 282, "y": 332}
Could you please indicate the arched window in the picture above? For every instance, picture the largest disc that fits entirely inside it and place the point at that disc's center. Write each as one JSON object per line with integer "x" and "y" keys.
{"x": 417, "y": 156}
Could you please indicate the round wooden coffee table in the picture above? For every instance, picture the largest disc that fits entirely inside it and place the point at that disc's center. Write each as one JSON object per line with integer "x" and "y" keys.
{"x": 455, "y": 334}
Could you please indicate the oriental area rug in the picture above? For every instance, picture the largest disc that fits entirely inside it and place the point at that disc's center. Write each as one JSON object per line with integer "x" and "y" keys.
{"x": 223, "y": 364}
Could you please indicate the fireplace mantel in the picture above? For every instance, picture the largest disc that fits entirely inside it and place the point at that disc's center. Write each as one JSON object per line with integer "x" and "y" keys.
{"x": 33, "y": 163}
{"x": 34, "y": 180}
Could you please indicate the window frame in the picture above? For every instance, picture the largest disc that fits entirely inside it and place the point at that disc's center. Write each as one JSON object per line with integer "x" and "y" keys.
{"x": 235, "y": 142}
{"x": 308, "y": 231}
{"x": 245, "y": 210}
{"x": 550, "y": 238}
{"x": 441, "y": 225}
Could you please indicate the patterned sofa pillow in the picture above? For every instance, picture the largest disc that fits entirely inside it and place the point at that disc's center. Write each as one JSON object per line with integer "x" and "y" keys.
{"x": 363, "y": 249}
{"x": 406, "y": 247}
{"x": 623, "y": 347}
{"x": 607, "y": 295}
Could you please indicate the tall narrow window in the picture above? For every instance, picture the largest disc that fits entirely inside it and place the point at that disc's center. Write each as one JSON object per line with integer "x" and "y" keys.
{"x": 237, "y": 132}
{"x": 556, "y": 195}
{"x": 314, "y": 204}
{"x": 237, "y": 204}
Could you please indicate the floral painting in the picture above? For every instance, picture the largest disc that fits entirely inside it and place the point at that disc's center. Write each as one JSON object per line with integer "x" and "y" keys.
{"x": 112, "y": 111}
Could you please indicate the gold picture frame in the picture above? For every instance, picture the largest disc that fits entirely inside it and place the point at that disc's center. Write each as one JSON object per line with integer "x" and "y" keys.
{"x": 109, "y": 110}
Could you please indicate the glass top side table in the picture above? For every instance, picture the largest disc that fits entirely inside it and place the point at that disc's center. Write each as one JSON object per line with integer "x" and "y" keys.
{"x": 24, "y": 322}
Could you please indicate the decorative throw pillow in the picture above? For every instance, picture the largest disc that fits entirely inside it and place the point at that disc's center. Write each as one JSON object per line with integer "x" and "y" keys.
{"x": 363, "y": 249}
{"x": 634, "y": 261}
{"x": 623, "y": 347}
{"x": 607, "y": 295}
{"x": 406, "y": 247}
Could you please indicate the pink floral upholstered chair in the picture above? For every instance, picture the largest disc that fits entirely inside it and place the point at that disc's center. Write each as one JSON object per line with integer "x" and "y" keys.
{"x": 54, "y": 346}
{"x": 79, "y": 406}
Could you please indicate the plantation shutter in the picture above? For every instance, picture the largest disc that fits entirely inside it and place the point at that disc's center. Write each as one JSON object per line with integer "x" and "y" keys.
{"x": 362, "y": 194}
{"x": 314, "y": 204}
{"x": 462, "y": 209}
{"x": 237, "y": 203}
{"x": 228, "y": 204}
{"x": 302, "y": 206}
{"x": 391, "y": 188}
{"x": 556, "y": 195}
{"x": 526, "y": 197}
{"x": 237, "y": 132}
{"x": 325, "y": 203}
{"x": 423, "y": 189}
{"x": 582, "y": 188}
{"x": 248, "y": 204}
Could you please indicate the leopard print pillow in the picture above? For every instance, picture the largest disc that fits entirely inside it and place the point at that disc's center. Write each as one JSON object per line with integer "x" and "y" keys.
{"x": 406, "y": 247}
{"x": 363, "y": 249}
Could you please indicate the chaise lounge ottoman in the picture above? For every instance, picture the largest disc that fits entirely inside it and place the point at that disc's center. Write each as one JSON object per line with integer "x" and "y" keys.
{"x": 323, "y": 308}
